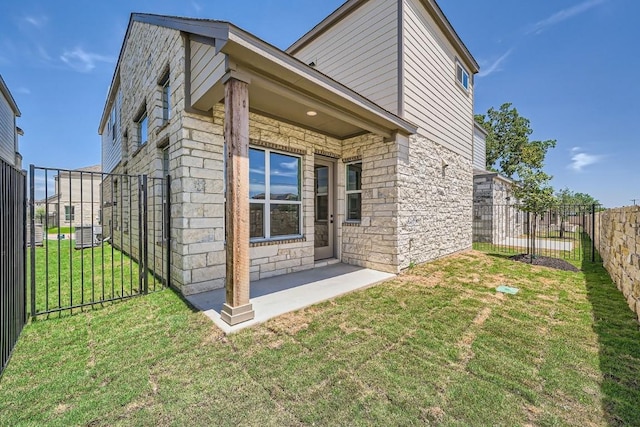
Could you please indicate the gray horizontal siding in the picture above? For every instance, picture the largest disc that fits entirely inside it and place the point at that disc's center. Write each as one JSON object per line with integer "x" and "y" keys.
{"x": 433, "y": 98}
{"x": 479, "y": 150}
{"x": 361, "y": 52}
{"x": 112, "y": 148}
{"x": 206, "y": 69}
{"x": 7, "y": 132}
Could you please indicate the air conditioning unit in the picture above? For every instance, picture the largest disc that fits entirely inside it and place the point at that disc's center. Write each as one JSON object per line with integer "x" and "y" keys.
{"x": 38, "y": 235}
{"x": 87, "y": 236}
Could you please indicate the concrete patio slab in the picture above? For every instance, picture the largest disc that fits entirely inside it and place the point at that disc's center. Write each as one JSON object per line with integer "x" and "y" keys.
{"x": 282, "y": 294}
{"x": 549, "y": 244}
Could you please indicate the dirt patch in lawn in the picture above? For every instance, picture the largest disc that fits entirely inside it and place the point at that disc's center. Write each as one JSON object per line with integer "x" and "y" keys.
{"x": 545, "y": 261}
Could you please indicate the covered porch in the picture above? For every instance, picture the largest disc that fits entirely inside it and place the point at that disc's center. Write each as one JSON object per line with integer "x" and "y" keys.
{"x": 275, "y": 296}
{"x": 280, "y": 116}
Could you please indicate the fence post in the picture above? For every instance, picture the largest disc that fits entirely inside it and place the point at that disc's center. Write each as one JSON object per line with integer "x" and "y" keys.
{"x": 24, "y": 248}
{"x": 32, "y": 236}
{"x": 140, "y": 238}
{"x": 593, "y": 232}
{"x": 167, "y": 225}
{"x": 145, "y": 232}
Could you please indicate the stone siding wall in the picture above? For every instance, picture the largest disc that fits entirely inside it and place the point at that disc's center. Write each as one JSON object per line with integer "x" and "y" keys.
{"x": 619, "y": 245}
{"x": 372, "y": 242}
{"x": 435, "y": 192}
{"x": 149, "y": 53}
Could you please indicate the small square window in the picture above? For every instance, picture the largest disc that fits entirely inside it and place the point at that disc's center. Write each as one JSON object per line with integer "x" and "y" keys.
{"x": 462, "y": 76}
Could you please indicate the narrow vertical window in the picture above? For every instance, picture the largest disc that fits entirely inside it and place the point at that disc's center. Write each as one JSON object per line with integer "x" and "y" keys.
{"x": 69, "y": 213}
{"x": 462, "y": 76}
{"x": 166, "y": 98}
{"x": 354, "y": 191}
{"x": 143, "y": 128}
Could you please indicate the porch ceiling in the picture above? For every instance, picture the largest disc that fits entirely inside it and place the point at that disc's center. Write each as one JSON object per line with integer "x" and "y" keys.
{"x": 279, "y": 106}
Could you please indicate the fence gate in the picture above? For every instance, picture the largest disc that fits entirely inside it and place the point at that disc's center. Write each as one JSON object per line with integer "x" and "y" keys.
{"x": 98, "y": 237}
{"x": 567, "y": 232}
{"x": 13, "y": 296}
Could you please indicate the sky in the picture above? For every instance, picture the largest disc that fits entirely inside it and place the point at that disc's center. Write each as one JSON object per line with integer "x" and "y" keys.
{"x": 569, "y": 66}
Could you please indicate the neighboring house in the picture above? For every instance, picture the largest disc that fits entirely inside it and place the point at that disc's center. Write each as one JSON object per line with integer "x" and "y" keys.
{"x": 355, "y": 144}
{"x": 9, "y": 132}
{"x": 76, "y": 200}
{"x": 496, "y": 216}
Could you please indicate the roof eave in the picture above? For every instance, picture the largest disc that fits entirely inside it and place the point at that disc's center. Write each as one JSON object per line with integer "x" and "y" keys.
{"x": 7, "y": 94}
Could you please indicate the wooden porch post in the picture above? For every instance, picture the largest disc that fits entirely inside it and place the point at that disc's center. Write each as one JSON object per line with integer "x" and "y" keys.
{"x": 237, "y": 308}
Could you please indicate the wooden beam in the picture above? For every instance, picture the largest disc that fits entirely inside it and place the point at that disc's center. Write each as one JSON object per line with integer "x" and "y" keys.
{"x": 237, "y": 308}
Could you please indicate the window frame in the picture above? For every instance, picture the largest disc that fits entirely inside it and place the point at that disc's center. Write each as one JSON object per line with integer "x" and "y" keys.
{"x": 143, "y": 119}
{"x": 69, "y": 213}
{"x": 348, "y": 192}
{"x": 165, "y": 97}
{"x": 268, "y": 203}
{"x": 463, "y": 73}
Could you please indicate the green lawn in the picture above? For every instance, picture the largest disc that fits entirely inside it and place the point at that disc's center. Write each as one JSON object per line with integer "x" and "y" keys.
{"x": 436, "y": 345}
{"x": 66, "y": 276}
{"x": 581, "y": 246}
{"x": 61, "y": 230}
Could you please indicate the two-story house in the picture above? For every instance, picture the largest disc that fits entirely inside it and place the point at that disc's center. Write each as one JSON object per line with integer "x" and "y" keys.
{"x": 76, "y": 200}
{"x": 354, "y": 144}
{"x": 9, "y": 132}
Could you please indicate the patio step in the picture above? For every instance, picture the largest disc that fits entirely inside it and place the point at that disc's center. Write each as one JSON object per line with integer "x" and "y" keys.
{"x": 326, "y": 262}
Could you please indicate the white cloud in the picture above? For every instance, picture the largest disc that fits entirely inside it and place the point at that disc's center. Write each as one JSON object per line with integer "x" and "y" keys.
{"x": 36, "y": 21}
{"x": 23, "y": 90}
{"x": 580, "y": 160}
{"x": 495, "y": 66}
{"x": 563, "y": 15}
{"x": 196, "y": 7}
{"x": 83, "y": 61}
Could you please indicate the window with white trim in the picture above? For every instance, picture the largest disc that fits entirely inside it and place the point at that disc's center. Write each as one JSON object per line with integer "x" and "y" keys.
{"x": 354, "y": 191}
{"x": 462, "y": 76}
{"x": 275, "y": 193}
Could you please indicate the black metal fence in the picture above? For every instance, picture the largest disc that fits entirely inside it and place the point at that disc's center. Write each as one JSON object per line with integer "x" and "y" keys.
{"x": 566, "y": 232}
{"x": 105, "y": 237}
{"x": 13, "y": 298}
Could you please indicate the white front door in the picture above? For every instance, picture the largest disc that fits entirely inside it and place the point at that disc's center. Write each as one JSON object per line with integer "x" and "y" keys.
{"x": 323, "y": 203}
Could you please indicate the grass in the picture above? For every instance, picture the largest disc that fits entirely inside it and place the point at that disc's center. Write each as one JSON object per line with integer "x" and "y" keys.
{"x": 436, "y": 345}
{"x": 67, "y": 277}
{"x": 581, "y": 246}
{"x": 61, "y": 230}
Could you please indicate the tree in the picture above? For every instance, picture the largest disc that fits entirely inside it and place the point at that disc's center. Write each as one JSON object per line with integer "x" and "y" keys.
{"x": 40, "y": 213}
{"x": 508, "y": 147}
{"x": 567, "y": 197}
{"x": 512, "y": 154}
{"x": 570, "y": 204}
